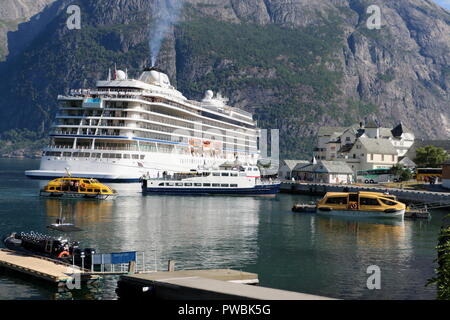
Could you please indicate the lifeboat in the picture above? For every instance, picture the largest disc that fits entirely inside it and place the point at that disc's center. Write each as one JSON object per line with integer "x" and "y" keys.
{"x": 78, "y": 188}
{"x": 361, "y": 204}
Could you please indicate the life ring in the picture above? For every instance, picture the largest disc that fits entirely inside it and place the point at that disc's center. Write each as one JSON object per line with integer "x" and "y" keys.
{"x": 353, "y": 206}
{"x": 64, "y": 254}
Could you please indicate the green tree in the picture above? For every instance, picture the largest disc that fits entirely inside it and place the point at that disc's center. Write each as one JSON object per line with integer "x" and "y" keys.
{"x": 442, "y": 278}
{"x": 397, "y": 170}
{"x": 430, "y": 157}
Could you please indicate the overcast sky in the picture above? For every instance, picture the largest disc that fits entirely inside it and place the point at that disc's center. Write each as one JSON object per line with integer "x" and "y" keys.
{"x": 444, "y": 3}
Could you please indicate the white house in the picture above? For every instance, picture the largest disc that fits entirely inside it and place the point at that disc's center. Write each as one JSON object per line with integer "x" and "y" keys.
{"x": 368, "y": 153}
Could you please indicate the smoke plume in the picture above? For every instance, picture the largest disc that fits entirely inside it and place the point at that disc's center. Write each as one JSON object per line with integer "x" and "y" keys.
{"x": 166, "y": 14}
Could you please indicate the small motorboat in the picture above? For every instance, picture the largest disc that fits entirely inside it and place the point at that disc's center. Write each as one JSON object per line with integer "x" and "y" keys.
{"x": 78, "y": 188}
{"x": 50, "y": 247}
{"x": 361, "y": 204}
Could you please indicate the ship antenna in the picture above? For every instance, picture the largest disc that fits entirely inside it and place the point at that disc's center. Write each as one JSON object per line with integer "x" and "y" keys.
{"x": 109, "y": 74}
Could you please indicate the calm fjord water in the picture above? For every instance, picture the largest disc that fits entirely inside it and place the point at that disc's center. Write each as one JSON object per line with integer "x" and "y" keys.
{"x": 293, "y": 251}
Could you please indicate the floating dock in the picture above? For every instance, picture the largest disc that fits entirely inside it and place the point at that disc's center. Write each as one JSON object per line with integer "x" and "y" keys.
{"x": 442, "y": 198}
{"x": 221, "y": 284}
{"x": 43, "y": 268}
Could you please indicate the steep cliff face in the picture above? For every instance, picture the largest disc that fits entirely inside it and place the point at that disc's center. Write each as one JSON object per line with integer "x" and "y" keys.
{"x": 296, "y": 64}
{"x": 13, "y": 12}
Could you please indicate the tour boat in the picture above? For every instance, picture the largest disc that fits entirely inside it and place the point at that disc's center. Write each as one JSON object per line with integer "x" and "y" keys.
{"x": 78, "y": 188}
{"x": 237, "y": 181}
{"x": 361, "y": 204}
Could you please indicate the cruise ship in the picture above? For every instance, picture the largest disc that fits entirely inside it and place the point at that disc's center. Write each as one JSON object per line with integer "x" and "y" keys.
{"x": 126, "y": 128}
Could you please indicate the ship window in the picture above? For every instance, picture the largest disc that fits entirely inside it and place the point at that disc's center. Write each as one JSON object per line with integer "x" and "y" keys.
{"x": 353, "y": 197}
{"x": 89, "y": 190}
{"x": 389, "y": 203}
{"x": 225, "y": 185}
{"x": 104, "y": 190}
{"x": 51, "y": 188}
{"x": 82, "y": 189}
{"x": 97, "y": 190}
{"x": 337, "y": 200}
{"x": 169, "y": 184}
{"x": 216, "y": 174}
{"x": 225, "y": 174}
{"x": 255, "y": 169}
{"x": 207, "y": 184}
{"x": 233, "y": 185}
{"x": 234, "y": 174}
{"x": 179, "y": 184}
{"x": 197, "y": 184}
{"x": 86, "y": 181}
{"x": 242, "y": 174}
{"x": 67, "y": 154}
{"x": 142, "y": 157}
{"x": 369, "y": 202}
{"x": 126, "y": 156}
{"x": 135, "y": 156}
{"x": 188, "y": 184}
{"x": 96, "y": 155}
{"x": 216, "y": 185}
{"x": 161, "y": 184}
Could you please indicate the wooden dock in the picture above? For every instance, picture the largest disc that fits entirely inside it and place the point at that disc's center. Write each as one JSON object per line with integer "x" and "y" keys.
{"x": 42, "y": 268}
{"x": 221, "y": 284}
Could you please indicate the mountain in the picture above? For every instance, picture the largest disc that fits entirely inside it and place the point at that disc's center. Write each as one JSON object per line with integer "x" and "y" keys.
{"x": 13, "y": 12}
{"x": 297, "y": 65}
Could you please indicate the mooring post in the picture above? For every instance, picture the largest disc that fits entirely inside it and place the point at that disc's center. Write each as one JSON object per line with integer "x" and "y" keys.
{"x": 132, "y": 267}
{"x": 171, "y": 266}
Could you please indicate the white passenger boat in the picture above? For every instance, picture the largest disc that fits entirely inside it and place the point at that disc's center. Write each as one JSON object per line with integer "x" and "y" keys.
{"x": 237, "y": 181}
{"x": 125, "y": 128}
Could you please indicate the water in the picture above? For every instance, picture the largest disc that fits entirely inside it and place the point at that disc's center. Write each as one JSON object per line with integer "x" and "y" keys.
{"x": 293, "y": 251}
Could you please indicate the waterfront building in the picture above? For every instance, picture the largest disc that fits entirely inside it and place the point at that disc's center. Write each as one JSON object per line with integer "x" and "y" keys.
{"x": 287, "y": 166}
{"x": 324, "y": 171}
{"x": 370, "y": 153}
{"x": 335, "y": 142}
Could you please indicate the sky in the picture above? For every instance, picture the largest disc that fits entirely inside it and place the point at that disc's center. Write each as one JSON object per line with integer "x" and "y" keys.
{"x": 443, "y": 3}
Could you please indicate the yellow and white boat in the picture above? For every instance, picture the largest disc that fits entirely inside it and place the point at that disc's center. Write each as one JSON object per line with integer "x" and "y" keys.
{"x": 361, "y": 204}
{"x": 77, "y": 188}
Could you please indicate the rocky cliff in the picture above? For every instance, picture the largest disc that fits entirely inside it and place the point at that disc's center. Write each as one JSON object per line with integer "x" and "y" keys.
{"x": 13, "y": 12}
{"x": 297, "y": 65}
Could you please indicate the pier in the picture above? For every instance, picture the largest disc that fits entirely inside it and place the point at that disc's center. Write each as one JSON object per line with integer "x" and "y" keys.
{"x": 42, "y": 268}
{"x": 437, "y": 198}
{"x": 221, "y": 284}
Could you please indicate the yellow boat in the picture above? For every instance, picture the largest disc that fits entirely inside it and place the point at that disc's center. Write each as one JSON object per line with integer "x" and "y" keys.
{"x": 361, "y": 204}
{"x": 77, "y": 188}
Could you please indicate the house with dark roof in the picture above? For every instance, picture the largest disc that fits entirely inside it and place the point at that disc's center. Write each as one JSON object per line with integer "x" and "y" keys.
{"x": 336, "y": 142}
{"x": 287, "y": 166}
{"x": 324, "y": 171}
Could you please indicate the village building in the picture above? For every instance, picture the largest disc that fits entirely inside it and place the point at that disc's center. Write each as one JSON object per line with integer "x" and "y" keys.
{"x": 335, "y": 143}
{"x": 287, "y": 166}
{"x": 324, "y": 171}
{"x": 371, "y": 153}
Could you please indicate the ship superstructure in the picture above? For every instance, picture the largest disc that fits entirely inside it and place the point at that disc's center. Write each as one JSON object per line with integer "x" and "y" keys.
{"x": 126, "y": 128}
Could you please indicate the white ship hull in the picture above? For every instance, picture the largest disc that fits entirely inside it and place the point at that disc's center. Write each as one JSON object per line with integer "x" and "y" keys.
{"x": 123, "y": 170}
